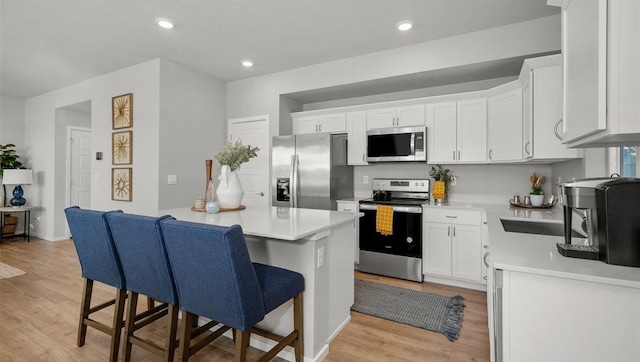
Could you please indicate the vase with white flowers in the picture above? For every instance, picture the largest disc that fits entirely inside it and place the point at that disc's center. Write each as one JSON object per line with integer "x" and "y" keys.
{"x": 230, "y": 157}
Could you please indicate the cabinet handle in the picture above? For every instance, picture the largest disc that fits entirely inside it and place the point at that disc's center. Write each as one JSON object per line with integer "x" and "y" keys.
{"x": 454, "y": 231}
{"x": 484, "y": 277}
{"x": 363, "y": 157}
{"x": 320, "y": 127}
{"x": 316, "y": 128}
{"x": 555, "y": 129}
{"x": 348, "y": 210}
{"x": 448, "y": 230}
{"x": 260, "y": 193}
{"x": 526, "y": 148}
{"x": 458, "y": 155}
{"x": 451, "y": 217}
{"x": 454, "y": 155}
{"x": 490, "y": 154}
{"x": 484, "y": 259}
{"x": 485, "y": 246}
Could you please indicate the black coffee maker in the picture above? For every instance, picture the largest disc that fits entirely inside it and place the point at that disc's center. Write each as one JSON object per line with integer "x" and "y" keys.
{"x": 610, "y": 208}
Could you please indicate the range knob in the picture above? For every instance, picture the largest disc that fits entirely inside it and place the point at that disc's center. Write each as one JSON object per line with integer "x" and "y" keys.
{"x": 416, "y": 184}
{"x": 422, "y": 184}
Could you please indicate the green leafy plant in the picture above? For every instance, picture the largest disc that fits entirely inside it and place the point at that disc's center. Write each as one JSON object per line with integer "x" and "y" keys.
{"x": 440, "y": 173}
{"x": 235, "y": 154}
{"x": 8, "y": 160}
{"x": 8, "y": 157}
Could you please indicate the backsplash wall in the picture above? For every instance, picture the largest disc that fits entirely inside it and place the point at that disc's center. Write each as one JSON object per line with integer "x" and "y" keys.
{"x": 480, "y": 183}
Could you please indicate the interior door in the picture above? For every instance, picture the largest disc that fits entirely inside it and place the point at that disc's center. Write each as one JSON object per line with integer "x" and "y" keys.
{"x": 80, "y": 173}
{"x": 254, "y": 175}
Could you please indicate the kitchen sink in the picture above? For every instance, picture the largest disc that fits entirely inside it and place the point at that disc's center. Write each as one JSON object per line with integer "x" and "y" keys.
{"x": 537, "y": 227}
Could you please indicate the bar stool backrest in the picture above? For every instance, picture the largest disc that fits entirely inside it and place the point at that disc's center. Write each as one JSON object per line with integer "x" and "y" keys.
{"x": 213, "y": 273}
{"x": 94, "y": 244}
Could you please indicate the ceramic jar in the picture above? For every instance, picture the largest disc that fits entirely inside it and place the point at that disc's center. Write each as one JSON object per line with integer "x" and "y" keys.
{"x": 230, "y": 190}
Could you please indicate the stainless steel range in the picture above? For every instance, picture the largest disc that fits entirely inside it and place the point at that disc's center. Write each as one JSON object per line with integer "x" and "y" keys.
{"x": 399, "y": 254}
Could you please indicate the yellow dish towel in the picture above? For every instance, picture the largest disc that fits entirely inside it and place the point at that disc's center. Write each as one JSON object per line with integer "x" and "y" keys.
{"x": 384, "y": 219}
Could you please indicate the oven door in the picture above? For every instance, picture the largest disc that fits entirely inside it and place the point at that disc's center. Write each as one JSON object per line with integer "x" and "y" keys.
{"x": 406, "y": 239}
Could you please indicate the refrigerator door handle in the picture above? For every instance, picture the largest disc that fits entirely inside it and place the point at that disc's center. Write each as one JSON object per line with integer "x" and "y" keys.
{"x": 294, "y": 182}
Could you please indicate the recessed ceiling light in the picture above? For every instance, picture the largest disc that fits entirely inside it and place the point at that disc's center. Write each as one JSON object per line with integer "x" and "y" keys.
{"x": 247, "y": 63}
{"x": 405, "y": 25}
{"x": 164, "y": 23}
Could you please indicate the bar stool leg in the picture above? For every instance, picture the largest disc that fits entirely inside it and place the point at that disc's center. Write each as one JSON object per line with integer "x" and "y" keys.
{"x": 298, "y": 344}
{"x": 186, "y": 328}
{"x": 242, "y": 342}
{"x": 85, "y": 305}
{"x": 130, "y": 325}
{"x": 172, "y": 328}
{"x": 121, "y": 298}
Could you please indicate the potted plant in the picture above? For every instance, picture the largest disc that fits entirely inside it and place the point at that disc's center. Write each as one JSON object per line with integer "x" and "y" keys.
{"x": 231, "y": 156}
{"x": 443, "y": 177}
{"x": 537, "y": 193}
{"x": 8, "y": 160}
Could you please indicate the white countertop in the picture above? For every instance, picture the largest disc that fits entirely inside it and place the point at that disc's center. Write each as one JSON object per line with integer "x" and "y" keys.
{"x": 538, "y": 254}
{"x": 270, "y": 222}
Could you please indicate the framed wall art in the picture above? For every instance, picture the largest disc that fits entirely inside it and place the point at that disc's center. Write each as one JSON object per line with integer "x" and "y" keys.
{"x": 121, "y": 184}
{"x": 122, "y": 108}
{"x": 122, "y": 147}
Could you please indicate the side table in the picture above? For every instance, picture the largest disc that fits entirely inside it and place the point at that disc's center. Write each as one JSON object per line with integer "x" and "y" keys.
{"x": 27, "y": 221}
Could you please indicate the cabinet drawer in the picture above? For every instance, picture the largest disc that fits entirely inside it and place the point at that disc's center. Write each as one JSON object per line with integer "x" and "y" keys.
{"x": 347, "y": 206}
{"x": 453, "y": 216}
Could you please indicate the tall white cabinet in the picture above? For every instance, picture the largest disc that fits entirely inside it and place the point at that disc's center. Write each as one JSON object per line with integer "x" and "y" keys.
{"x": 504, "y": 124}
{"x": 601, "y": 47}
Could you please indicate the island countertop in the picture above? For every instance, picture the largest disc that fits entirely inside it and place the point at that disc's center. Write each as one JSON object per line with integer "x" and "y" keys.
{"x": 269, "y": 221}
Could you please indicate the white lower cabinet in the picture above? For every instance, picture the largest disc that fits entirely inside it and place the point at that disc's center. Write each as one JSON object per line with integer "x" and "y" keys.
{"x": 452, "y": 245}
{"x": 553, "y": 318}
{"x": 352, "y": 206}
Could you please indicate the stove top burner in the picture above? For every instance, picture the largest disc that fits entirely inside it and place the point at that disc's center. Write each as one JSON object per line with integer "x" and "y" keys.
{"x": 394, "y": 201}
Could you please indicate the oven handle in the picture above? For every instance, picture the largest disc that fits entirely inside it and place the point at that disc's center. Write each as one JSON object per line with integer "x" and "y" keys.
{"x": 405, "y": 209}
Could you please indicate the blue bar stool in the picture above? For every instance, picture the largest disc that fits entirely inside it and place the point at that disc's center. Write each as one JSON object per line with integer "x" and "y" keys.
{"x": 216, "y": 279}
{"x": 99, "y": 262}
{"x": 145, "y": 266}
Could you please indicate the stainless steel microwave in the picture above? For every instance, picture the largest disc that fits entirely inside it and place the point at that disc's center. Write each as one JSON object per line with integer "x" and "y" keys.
{"x": 397, "y": 144}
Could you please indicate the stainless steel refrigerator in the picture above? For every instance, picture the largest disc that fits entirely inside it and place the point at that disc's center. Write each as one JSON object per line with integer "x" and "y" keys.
{"x": 310, "y": 171}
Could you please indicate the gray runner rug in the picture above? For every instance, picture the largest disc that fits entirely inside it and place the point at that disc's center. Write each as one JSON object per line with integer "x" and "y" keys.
{"x": 429, "y": 311}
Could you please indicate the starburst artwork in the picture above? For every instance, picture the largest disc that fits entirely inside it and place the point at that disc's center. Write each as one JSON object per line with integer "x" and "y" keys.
{"x": 121, "y": 146}
{"x": 122, "y": 107}
{"x": 121, "y": 184}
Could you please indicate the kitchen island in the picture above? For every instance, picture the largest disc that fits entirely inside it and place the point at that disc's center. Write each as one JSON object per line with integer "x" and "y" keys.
{"x": 316, "y": 243}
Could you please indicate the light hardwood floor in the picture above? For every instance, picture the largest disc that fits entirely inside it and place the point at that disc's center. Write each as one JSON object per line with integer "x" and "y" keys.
{"x": 39, "y": 317}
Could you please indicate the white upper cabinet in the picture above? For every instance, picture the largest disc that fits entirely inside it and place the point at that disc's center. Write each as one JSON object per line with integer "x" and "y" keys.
{"x": 543, "y": 115}
{"x": 333, "y": 123}
{"x": 406, "y": 116}
{"x": 456, "y": 131}
{"x": 357, "y": 138}
{"x": 504, "y": 126}
{"x": 601, "y": 47}
{"x": 585, "y": 67}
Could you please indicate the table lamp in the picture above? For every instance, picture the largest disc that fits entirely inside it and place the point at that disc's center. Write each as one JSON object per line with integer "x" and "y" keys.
{"x": 17, "y": 177}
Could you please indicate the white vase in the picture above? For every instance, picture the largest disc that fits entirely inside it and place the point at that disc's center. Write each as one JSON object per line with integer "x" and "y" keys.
{"x": 230, "y": 190}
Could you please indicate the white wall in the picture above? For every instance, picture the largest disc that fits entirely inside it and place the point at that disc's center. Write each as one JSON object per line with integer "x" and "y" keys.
{"x": 178, "y": 121}
{"x": 260, "y": 95}
{"x": 192, "y": 129}
{"x": 40, "y": 114}
{"x": 12, "y": 123}
{"x": 480, "y": 183}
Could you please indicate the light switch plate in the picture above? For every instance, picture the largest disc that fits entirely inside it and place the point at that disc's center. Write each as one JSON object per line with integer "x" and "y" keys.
{"x": 365, "y": 179}
{"x": 172, "y": 180}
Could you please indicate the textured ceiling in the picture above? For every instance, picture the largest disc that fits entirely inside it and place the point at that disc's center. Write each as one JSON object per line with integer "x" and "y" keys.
{"x": 47, "y": 45}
